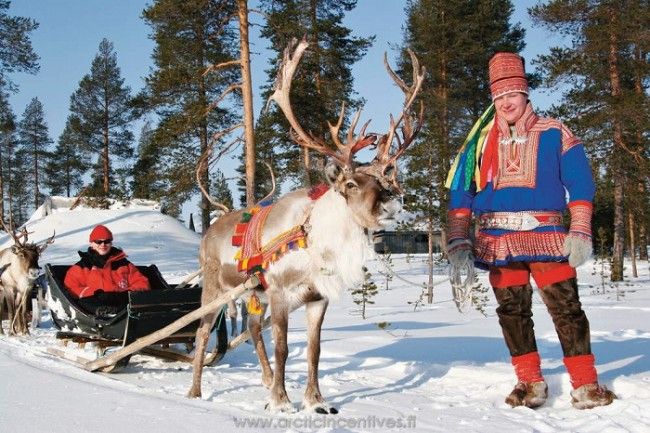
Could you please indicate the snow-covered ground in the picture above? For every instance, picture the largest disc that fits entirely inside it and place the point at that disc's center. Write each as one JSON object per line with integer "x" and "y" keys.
{"x": 428, "y": 368}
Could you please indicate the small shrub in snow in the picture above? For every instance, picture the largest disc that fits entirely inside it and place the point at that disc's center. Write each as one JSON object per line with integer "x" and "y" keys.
{"x": 363, "y": 294}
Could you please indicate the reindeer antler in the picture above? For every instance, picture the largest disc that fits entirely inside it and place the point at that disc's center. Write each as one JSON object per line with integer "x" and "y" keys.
{"x": 47, "y": 242}
{"x": 11, "y": 231}
{"x": 384, "y": 159}
{"x": 344, "y": 152}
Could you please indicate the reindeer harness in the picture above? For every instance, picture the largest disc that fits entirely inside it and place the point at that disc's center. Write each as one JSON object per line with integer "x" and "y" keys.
{"x": 253, "y": 258}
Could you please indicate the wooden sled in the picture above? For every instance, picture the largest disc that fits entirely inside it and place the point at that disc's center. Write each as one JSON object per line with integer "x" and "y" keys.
{"x": 146, "y": 313}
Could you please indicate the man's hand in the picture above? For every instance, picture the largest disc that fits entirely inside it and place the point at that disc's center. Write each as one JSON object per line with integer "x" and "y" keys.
{"x": 578, "y": 248}
{"x": 459, "y": 254}
{"x": 578, "y": 243}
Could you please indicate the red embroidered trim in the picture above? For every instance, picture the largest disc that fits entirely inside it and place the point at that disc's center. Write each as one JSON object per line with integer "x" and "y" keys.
{"x": 493, "y": 249}
{"x": 458, "y": 221}
{"x": 581, "y": 212}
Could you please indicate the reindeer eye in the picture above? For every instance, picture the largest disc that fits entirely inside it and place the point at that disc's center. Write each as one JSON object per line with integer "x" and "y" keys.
{"x": 350, "y": 185}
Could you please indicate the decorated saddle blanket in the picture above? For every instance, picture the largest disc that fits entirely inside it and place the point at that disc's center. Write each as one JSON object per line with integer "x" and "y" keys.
{"x": 253, "y": 258}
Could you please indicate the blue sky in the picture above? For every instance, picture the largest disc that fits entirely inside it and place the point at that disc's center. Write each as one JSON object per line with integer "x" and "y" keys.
{"x": 70, "y": 31}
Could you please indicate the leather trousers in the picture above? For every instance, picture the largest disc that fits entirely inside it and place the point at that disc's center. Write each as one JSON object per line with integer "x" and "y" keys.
{"x": 563, "y": 304}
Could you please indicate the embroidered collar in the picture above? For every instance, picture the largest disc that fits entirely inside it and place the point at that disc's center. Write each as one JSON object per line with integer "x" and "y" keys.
{"x": 521, "y": 128}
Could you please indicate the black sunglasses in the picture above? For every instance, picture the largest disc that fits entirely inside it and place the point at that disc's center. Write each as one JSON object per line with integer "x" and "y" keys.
{"x": 103, "y": 241}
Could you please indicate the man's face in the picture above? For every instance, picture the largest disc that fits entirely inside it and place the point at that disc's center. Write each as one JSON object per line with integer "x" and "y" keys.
{"x": 102, "y": 246}
{"x": 511, "y": 106}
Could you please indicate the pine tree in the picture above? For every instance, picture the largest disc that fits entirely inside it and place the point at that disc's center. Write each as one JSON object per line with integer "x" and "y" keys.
{"x": 102, "y": 103}
{"x": 322, "y": 83}
{"x": 191, "y": 36}
{"x": 66, "y": 165}
{"x": 146, "y": 181}
{"x": 221, "y": 190}
{"x": 603, "y": 103}
{"x": 16, "y": 55}
{"x": 16, "y": 52}
{"x": 7, "y": 137}
{"x": 454, "y": 40}
{"x": 364, "y": 294}
{"x": 16, "y": 196}
{"x": 20, "y": 193}
{"x": 34, "y": 142}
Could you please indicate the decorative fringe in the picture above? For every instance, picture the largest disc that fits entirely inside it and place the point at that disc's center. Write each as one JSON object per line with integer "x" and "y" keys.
{"x": 253, "y": 258}
{"x": 465, "y": 166}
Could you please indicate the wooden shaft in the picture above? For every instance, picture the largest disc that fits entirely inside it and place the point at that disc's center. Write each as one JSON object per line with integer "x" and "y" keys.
{"x": 168, "y": 330}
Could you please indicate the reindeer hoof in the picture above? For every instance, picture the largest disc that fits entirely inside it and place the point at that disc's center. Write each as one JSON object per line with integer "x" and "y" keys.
{"x": 284, "y": 407}
{"x": 193, "y": 394}
{"x": 325, "y": 411}
{"x": 321, "y": 408}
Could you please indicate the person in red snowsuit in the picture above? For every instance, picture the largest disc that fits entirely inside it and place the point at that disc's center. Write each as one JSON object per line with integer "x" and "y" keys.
{"x": 103, "y": 277}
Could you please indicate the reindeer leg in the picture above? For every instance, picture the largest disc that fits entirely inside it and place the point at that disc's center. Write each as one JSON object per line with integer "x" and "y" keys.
{"x": 200, "y": 343}
{"x": 279, "y": 400}
{"x": 313, "y": 399}
{"x": 255, "y": 326}
{"x": 11, "y": 314}
{"x": 2, "y": 304}
{"x": 23, "y": 327}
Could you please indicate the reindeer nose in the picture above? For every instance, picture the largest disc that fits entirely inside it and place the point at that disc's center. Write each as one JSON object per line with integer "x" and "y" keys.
{"x": 392, "y": 206}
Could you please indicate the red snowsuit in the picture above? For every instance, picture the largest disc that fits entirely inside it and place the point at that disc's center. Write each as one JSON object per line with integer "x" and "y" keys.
{"x": 109, "y": 274}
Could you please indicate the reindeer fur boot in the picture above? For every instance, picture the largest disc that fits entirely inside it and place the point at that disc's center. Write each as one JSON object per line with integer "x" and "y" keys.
{"x": 591, "y": 395}
{"x": 529, "y": 394}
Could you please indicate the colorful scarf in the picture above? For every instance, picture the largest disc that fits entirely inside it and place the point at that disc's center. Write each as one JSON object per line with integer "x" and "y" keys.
{"x": 466, "y": 165}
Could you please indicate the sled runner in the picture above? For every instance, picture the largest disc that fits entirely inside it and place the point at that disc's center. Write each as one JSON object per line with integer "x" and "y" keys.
{"x": 146, "y": 313}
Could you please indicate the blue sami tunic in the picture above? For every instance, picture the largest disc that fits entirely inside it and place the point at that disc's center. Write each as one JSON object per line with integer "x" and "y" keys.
{"x": 535, "y": 171}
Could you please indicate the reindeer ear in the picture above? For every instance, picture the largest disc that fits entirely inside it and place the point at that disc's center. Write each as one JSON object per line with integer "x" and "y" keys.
{"x": 333, "y": 172}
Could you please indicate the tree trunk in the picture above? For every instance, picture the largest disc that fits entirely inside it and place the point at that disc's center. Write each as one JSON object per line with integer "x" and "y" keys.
{"x": 619, "y": 230}
{"x": 2, "y": 185}
{"x": 205, "y": 180}
{"x": 619, "y": 214}
{"x": 247, "y": 93}
{"x": 105, "y": 155}
{"x": 203, "y": 143}
{"x": 632, "y": 249}
{"x": 68, "y": 180}
{"x": 105, "y": 162}
{"x": 641, "y": 144}
{"x": 430, "y": 262}
{"x": 315, "y": 44}
{"x": 36, "y": 191}
{"x": 643, "y": 236}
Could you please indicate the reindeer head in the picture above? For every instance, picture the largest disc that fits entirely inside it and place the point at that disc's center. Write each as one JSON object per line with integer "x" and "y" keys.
{"x": 24, "y": 260}
{"x": 371, "y": 190}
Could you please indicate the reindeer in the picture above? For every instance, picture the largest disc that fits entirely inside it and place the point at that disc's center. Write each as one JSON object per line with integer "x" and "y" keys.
{"x": 19, "y": 265}
{"x": 359, "y": 198}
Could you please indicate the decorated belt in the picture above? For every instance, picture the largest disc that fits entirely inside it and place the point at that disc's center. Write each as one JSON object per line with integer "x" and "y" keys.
{"x": 519, "y": 221}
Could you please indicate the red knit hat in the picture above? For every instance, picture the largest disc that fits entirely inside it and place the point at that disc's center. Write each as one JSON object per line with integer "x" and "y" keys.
{"x": 507, "y": 74}
{"x": 100, "y": 232}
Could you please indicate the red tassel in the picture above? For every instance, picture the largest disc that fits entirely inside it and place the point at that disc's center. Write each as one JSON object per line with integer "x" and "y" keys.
{"x": 490, "y": 155}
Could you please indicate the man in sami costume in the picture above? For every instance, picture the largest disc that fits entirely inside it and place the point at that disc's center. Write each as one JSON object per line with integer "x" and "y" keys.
{"x": 513, "y": 173}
